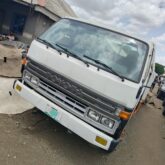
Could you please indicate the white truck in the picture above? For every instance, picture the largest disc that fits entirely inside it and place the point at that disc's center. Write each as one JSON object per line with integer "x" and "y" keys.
{"x": 88, "y": 77}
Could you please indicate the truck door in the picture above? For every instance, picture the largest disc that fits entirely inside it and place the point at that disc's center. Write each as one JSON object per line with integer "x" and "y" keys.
{"x": 150, "y": 74}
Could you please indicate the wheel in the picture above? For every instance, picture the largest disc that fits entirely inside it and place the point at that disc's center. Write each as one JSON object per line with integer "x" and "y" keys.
{"x": 163, "y": 112}
{"x": 163, "y": 103}
{"x": 160, "y": 95}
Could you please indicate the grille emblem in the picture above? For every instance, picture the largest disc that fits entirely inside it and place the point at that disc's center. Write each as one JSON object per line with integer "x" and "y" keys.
{"x": 65, "y": 84}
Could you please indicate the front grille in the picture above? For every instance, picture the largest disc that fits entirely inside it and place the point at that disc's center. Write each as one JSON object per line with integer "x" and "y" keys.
{"x": 69, "y": 104}
{"x": 60, "y": 97}
{"x": 72, "y": 101}
{"x": 71, "y": 89}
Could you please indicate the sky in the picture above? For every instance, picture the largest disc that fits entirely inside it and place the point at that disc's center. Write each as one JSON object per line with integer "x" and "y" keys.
{"x": 144, "y": 18}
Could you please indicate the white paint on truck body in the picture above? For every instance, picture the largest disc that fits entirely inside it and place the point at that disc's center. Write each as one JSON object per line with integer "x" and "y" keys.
{"x": 101, "y": 82}
{"x": 125, "y": 94}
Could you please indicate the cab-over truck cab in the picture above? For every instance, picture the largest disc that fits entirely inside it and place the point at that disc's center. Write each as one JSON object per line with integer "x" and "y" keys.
{"x": 87, "y": 77}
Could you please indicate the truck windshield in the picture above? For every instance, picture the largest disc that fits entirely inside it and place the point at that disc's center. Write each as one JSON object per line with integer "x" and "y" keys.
{"x": 125, "y": 55}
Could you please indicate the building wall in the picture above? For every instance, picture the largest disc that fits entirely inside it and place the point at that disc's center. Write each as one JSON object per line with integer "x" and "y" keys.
{"x": 30, "y": 26}
{"x": 36, "y": 23}
{"x": 43, "y": 23}
{"x": 10, "y": 8}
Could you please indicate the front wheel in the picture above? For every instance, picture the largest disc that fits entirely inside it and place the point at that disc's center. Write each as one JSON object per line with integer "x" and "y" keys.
{"x": 163, "y": 103}
{"x": 163, "y": 112}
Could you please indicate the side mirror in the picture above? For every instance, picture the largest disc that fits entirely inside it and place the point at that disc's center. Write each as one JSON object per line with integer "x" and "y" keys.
{"x": 140, "y": 90}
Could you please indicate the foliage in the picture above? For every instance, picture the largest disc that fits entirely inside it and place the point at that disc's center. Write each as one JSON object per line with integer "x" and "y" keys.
{"x": 159, "y": 69}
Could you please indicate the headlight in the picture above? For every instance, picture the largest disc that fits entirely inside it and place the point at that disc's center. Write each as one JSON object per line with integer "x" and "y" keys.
{"x": 94, "y": 115}
{"x": 34, "y": 80}
{"x": 107, "y": 122}
{"x": 101, "y": 119}
{"x": 27, "y": 76}
{"x": 117, "y": 112}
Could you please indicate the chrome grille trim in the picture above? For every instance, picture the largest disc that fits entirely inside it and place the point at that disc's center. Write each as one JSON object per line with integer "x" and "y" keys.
{"x": 77, "y": 110}
{"x": 71, "y": 88}
{"x": 63, "y": 98}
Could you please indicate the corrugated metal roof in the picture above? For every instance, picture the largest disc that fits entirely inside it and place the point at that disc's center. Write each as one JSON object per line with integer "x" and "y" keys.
{"x": 57, "y": 7}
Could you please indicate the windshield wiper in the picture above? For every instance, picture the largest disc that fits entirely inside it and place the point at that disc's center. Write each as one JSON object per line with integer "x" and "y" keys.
{"x": 48, "y": 44}
{"x": 69, "y": 53}
{"x": 106, "y": 66}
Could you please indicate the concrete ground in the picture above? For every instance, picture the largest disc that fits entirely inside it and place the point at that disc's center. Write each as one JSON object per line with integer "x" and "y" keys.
{"x": 11, "y": 103}
{"x": 11, "y": 67}
{"x": 33, "y": 138}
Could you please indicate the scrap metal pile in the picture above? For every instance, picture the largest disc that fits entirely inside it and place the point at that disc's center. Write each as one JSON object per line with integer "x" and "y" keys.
{"x": 9, "y": 37}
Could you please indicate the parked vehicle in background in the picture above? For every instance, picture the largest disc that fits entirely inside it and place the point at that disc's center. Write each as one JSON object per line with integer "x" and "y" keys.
{"x": 89, "y": 78}
{"x": 161, "y": 90}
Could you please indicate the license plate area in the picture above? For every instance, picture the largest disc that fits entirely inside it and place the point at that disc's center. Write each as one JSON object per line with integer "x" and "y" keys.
{"x": 52, "y": 112}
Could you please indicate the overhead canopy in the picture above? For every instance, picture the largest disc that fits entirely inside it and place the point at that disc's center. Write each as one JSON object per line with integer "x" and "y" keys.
{"x": 50, "y": 8}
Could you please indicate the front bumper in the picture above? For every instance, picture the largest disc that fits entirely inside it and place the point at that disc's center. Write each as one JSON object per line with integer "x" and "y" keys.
{"x": 66, "y": 119}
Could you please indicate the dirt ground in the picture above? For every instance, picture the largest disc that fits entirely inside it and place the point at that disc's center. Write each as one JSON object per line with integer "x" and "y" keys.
{"x": 32, "y": 138}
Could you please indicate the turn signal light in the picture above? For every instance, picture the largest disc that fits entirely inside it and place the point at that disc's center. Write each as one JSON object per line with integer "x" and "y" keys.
{"x": 101, "y": 140}
{"x": 18, "y": 88}
{"x": 124, "y": 115}
{"x": 24, "y": 61}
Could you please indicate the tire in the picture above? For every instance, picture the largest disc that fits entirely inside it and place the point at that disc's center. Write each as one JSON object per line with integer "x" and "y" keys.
{"x": 161, "y": 95}
{"x": 163, "y": 103}
{"x": 163, "y": 112}
{"x": 113, "y": 146}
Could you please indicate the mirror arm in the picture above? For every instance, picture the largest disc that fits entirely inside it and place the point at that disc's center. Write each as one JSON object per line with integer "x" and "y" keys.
{"x": 140, "y": 90}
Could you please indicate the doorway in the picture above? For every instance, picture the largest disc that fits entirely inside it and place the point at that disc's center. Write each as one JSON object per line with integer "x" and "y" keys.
{"x": 1, "y": 19}
{"x": 18, "y": 23}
